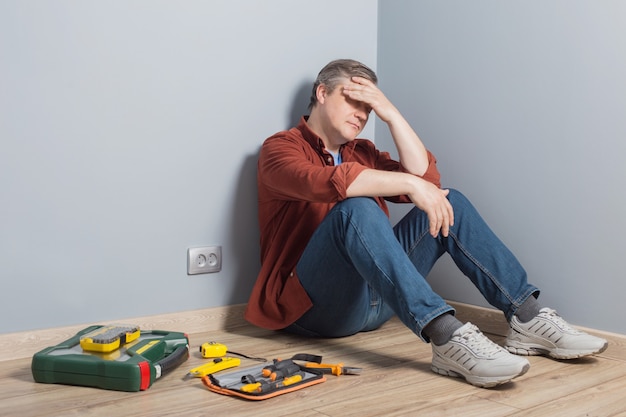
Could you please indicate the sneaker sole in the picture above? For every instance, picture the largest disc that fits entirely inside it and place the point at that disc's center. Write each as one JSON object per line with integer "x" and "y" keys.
{"x": 478, "y": 381}
{"x": 524, "y": 349}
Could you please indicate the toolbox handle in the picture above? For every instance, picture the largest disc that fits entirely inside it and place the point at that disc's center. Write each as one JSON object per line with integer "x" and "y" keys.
{"x": 177, "y": 357}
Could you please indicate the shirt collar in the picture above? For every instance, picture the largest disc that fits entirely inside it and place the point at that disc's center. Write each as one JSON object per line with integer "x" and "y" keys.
{"x": 313, "y": 139}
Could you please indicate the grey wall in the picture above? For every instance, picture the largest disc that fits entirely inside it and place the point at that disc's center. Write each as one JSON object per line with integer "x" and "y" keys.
{"x": 129, "y": 132}
{"x": 524, "y": 103}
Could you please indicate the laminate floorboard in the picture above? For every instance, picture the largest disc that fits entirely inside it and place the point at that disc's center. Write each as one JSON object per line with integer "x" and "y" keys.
{"x": 396, "y": 381}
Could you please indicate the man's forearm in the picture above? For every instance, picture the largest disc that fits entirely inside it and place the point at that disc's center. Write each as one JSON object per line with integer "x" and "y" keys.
{"x": 425, "y": 195}
{"x": 375, "y": 183}
{"x": 412, "y": 152}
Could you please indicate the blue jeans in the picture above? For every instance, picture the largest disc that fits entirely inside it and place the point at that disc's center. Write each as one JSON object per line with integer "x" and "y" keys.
{"x": 359, "y": 271}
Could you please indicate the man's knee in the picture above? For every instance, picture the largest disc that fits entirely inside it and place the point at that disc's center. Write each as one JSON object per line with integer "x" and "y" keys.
{"x": 358, "y": 204}
{"x": 361, "y": 207}
{"x": 462, "y": 206}
{"x": 457, "y": 198}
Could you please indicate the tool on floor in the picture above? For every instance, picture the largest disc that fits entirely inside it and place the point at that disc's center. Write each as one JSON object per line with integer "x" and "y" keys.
{"x": 275, "y": 378}
{"x": 215, "y": 365}
{"x": 134, "y": 366}
{"x": 216, "y": 350}
{"x": 265, "y": 386}
{"x": 280, "y": 369}
{"x": 334, "y": 369}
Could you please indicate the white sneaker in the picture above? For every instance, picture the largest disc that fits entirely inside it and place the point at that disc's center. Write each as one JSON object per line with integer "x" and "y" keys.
{"x": 548, "y": 334}
{"x": 471, "y": 355}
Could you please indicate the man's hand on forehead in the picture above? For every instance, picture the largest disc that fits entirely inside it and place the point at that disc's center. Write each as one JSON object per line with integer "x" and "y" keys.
{"x": 363, "y": 90}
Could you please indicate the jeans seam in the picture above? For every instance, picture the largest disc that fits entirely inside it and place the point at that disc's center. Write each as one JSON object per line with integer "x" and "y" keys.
{"x": 480, "y": 266}
{"x": 369, "y": 252}
{"x": 416, "y": 242}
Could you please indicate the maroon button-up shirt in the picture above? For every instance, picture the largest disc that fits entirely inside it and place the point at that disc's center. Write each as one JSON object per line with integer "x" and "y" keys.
{"x": 298, "y": 184}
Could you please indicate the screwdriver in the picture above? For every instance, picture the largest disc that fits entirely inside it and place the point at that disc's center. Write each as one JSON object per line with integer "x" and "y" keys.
{"x": 335, "y": 369}
{"x": 264, "y": 386}
{"x": 280, "y": 369}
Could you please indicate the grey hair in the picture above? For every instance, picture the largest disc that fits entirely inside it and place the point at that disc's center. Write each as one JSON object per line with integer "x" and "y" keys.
{"x": 335, "y": 72}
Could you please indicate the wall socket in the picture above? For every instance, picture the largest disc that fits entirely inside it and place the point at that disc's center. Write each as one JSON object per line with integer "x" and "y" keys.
{"x": 204, "y": 260}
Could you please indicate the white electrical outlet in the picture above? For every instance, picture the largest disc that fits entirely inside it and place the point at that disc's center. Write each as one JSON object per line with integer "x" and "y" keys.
{"x": 204, "y": 260}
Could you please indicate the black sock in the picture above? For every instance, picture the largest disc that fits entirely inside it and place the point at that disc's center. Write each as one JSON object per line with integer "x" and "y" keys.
{"x": 441, "y": 328}
{"x": 528, "y": 310}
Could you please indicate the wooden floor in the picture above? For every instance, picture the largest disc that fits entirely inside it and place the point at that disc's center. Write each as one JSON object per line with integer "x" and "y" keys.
{"x": 396, "y": 379}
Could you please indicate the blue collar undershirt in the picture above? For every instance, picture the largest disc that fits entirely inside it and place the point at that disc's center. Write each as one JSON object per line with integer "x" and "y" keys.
{"x": 336, "y": 156}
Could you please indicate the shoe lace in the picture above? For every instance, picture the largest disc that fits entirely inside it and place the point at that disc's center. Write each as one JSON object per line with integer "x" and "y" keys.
{"x": 558, "y": 321}
{"x": 478, "y": 342}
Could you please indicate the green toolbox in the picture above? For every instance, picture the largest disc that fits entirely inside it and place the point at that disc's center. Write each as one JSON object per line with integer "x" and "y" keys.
{"x": 133, "y": 366}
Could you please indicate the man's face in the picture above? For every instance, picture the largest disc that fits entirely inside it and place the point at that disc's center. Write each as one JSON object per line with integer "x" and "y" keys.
{"x": 344, "y": 118}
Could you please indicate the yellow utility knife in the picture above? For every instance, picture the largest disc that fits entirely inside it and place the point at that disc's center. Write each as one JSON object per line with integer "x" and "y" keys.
{"x": 215, "y": 365}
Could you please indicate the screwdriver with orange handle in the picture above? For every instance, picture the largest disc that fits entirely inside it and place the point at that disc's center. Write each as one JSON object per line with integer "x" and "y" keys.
{"x": 280, "y": 369}
{"x": 265, "y": 386}
{"x": 335, "y": 369}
